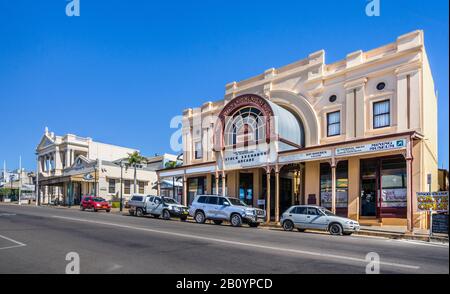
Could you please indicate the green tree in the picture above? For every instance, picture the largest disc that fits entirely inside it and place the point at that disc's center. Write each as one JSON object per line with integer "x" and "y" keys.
{"x": 171, "y": 164}
{"x": 134, "y": 160}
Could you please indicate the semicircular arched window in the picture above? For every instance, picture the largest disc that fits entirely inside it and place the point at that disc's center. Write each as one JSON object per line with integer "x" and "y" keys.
{"x": 246, "y": 127}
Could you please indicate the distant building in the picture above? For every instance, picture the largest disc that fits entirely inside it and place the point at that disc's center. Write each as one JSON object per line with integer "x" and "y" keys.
{"x": 443, "y": 179}
{"x": 70, "y": 166}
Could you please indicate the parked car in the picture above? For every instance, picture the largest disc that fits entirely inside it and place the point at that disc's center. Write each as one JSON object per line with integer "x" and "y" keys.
{"x": 95, "y": 203}
{"x": 221, "y": 208}
{"x": 157, "y": 206}
{"x": 303, "y": 217}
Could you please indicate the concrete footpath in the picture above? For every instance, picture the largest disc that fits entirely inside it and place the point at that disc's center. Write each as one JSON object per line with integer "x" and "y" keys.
{"x": 391, "y": 232}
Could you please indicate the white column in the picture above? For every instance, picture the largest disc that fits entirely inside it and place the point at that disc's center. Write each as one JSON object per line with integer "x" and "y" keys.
{"x": 58, "y": 161}
{"x": 72, "y": 159}
{"x": 277, "y": 195}
{"x": 268, "y": 196}
{"x": 67, "y": 158}
{"x": 217, "y": 183}
{"x": 224, "y": 184}
{"x": 185, "y": 190}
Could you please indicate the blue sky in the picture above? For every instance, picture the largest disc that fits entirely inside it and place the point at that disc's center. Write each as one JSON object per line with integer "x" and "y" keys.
{"x": 123, "y": 69}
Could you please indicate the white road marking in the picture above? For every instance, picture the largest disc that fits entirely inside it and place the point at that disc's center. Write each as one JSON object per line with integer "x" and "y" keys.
{"x": 223, "y": 241}
{"x": 7, "y": 214}
{"x": 424, "y": 243}
{"x": 18, "y": 244}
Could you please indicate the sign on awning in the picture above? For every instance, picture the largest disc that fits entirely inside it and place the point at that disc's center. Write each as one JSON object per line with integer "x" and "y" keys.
{"x": 373, "y": 147}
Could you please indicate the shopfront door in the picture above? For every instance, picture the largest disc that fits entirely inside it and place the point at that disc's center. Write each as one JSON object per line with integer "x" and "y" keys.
{"x": 369, "y": 197}
{"x": 246, "y": 188}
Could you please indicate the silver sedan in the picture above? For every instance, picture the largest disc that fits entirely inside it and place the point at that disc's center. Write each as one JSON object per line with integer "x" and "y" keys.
{"x": 303, "y": 217}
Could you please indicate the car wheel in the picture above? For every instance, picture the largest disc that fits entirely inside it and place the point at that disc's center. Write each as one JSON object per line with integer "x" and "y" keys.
{"x": 253, "y": 225}
{"x": 301, "y": 230}
{"x": 139, "y": 212}
{"x": 218, "y": 222}
{"x": 166, "y": 215}
{"x": 335, "y": 229}
{"x": 236, "y": 220}
{"x": 288, "y": 225}
{"x": 200, "y": 217}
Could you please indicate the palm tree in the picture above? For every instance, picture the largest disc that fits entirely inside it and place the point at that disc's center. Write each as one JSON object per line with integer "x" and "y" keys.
{"x": 134, "y": 159}
{"x": 171, "y": 164}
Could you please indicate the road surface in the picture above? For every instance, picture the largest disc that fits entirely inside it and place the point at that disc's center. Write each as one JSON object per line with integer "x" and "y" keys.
{"x": 38, "y": 239}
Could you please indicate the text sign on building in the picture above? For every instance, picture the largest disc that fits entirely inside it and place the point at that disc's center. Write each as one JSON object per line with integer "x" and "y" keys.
{"x": 436, "y": 201}
{"x": 374, "y": 147}
{"x": 245, "y": 158}
{"x": 306, "y": 156}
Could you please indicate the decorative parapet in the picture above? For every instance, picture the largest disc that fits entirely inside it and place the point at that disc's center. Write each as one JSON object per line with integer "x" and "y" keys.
{"x": 313, "y": 71}
{"x": 410, "y": 40}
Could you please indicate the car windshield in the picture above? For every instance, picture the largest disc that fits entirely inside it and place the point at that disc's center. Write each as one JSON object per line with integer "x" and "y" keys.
{"x": 236, "y": 202}
{"x": 327, "y": 212}
{"x": 98, "y": 199}
{"x": 170, "y": 201}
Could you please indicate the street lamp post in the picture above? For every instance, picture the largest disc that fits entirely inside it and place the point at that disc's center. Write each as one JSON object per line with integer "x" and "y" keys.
{"x": 121, "y": 186}
{"x": 121, "y": 164}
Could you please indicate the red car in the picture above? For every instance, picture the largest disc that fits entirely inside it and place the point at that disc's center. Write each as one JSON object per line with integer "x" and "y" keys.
{"x": 95, "y": 203}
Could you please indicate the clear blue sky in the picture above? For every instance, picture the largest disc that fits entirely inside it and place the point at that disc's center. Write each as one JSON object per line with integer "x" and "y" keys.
{"x": 123, "y": 69}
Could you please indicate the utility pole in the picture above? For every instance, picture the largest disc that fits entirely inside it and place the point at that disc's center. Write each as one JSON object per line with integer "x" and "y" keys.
{"x": 38, "y": 167}
{"x": 20, "y": 180}
{"x": 121, "y": 185}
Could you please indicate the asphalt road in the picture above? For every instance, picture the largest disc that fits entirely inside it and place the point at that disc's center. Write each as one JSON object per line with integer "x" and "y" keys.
{"x": 37, "y": 240}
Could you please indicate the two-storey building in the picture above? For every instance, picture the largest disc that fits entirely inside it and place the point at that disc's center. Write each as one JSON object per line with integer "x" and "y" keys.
{"x": 71, "y": 166}
{"x": 358, "y": 136}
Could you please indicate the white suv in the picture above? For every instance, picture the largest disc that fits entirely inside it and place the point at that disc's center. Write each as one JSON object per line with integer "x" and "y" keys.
{"x": 305, "y": 217}
{"x": 221, "y": 208}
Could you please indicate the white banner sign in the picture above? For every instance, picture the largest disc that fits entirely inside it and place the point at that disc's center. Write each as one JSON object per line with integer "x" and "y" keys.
{"x": 306, "y": 156}
{"x": 374, "y": 147}
{"x": 246, "y": 158}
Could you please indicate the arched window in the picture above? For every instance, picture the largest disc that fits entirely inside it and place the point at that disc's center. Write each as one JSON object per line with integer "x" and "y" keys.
{"x": 245, "y": 127}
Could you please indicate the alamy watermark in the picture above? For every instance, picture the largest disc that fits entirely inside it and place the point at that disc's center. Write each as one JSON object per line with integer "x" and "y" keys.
{"x": 373, "y": 8}
{"x": 73, "y": 267}
{"x": 373, "y": 265}
{"x": 73, "y": 8}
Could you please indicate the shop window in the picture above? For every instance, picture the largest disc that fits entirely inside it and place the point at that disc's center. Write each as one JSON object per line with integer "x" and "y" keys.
{"x": 196, "y": 186}
{"x": 393, "y": 183}
{"x": 341, "y": 187}
{"x": 127, "y": 187}
{"x": 381, "y": 114}
{"x": 213, "y": 185}
{"x": 112, "y": 186}
{"x": 198, "y": 150}
{"x": 333, "y": 123}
